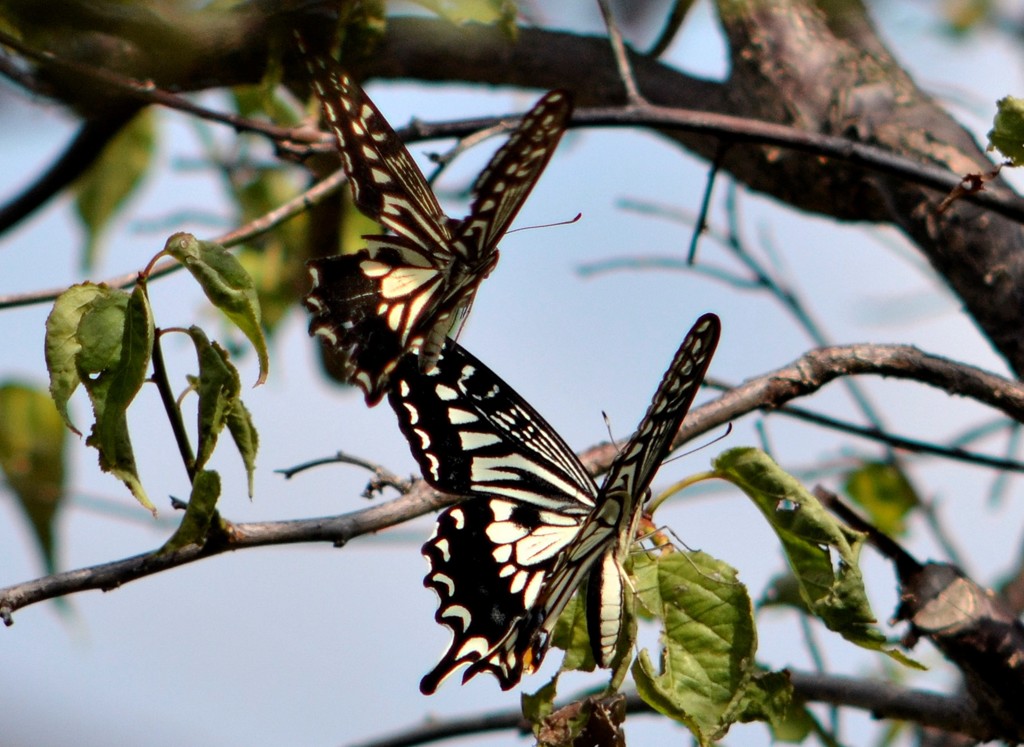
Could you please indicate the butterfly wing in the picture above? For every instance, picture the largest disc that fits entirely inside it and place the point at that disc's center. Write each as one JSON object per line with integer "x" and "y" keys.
{"x": 386, "y": 183}
{"x": 498, "y": 194}
{"x": 600, "y": 545}
{"x": 506, "y": 182}
{"x": 365, "y": 305}
{"x": 406, "y": 292}
{"x": 473, "y": 435}
{"x": 504, "y": 568}
{"x": 488, "y": 562}
{"x": 632, "y": 472}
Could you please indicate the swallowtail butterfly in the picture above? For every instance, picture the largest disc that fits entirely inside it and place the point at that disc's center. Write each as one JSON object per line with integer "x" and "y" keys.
{"x": 406, "y": 290}
{"x": 535, "y": 528}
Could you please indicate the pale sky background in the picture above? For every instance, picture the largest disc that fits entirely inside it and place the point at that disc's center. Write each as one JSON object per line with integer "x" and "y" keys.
{"x": 318, "y": 646}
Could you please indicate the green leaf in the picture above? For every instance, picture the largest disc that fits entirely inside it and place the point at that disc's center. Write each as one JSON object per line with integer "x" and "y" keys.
{"x": 113, "y": 177}
{"x": 884, "y": 491}
{"x": 199, "y": 514}
{"x": 1007, "y": 133}
{"x": 62, "y": 345}
{"x": 116, "y": 338}
{"x": 541, "y": 704}
{"x": 100, "y": 334}
{"x": 708, "y": 642}
{"x": 243, "y": 432}
{"x": 570, "y": 635}
{"x": 102, "y": 338}
{"x": 218, "y": 386}
{"x": 228, "y": 286}
{"x": 33, "y": 442}
{"x": 822, "y": 552}
{"x": 274, "y": 259}
{"x": 966, "y": 16}
{"x": 220, "y": 405}
{"x": 795, "y": 725}
{"x": 354, "y": 225}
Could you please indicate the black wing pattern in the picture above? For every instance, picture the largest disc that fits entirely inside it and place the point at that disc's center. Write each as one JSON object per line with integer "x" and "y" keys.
{"x": 505, "y": 563}
{"x": 404, "y": 291}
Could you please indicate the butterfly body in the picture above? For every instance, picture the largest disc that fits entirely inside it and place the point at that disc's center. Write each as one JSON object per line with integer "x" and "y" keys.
{"x": 405, "y": 291}
{"x": 535, "y": 527}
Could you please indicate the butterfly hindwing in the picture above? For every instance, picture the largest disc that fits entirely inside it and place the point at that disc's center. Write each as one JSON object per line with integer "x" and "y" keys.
{"x": 362, "y": 305}
{"x": 488, "y": 560}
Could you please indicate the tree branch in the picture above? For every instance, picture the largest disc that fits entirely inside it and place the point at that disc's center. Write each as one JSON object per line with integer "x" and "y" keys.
{"x": 802, "y": 377}
{"x": 881, "y": 699}
{"x": 779, "y": 54}
{"x": 817, "y": 368}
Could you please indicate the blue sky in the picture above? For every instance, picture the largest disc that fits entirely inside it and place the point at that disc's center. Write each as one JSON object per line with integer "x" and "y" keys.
{"x": 312, "y": 645}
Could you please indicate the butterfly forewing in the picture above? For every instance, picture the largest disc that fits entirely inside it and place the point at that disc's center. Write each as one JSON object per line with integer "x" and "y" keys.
{"x": 632, "y": 471}
{"x": 386, "y": 183}
{"x": 421, "y": 281}
{"x": 502, "y": 187}
{"x": 473, "y": 435}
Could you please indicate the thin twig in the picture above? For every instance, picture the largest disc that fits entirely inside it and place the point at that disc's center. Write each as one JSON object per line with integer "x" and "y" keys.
{"x": 382, "y": 476}
{"x": 701, "y": 224}
{"x": 900, "y": 442}
{"x": 672, "y": 25}
{"x": 633, "y": 96}
{"x": 737, "y": 129}
{"x": 240, "y": 235}
{"x": 146, "y": 92}
{"x": 763, "y": 280}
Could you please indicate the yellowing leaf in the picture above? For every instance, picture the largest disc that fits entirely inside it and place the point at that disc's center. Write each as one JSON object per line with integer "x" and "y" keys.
{"x": 884, "y": 492}
{"x": 33, "y": 442}
{"x": 62, "y": 345}
{"x": 116, "y": 347}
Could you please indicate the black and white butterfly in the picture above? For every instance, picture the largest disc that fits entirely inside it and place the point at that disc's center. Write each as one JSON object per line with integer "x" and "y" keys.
{"x": 405, "y": 291}
{"x": 535, "y": 528}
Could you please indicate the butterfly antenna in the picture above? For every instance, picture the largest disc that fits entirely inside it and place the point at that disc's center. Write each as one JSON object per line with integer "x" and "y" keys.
{"x": 611, "y": 436}
{"x": 694, "y": 450}
{"x": 548, "y": 225}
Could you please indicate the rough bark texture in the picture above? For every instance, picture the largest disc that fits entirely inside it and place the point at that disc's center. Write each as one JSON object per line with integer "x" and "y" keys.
{"x": 794, "y": 64}
{"x": 825, "y": 71}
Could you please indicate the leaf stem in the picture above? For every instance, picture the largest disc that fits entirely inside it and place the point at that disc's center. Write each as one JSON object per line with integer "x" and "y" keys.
{"x": 171, "y": 408}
